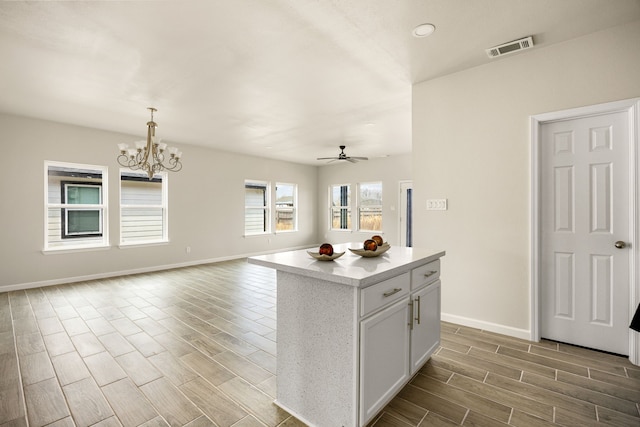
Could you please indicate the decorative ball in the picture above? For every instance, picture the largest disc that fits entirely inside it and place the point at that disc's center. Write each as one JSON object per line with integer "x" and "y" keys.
{"x": 326, "y": 249}
{"x": 370, "y": 245}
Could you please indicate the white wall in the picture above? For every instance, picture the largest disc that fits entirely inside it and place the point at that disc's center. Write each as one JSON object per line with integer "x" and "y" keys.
{"x": 206, "y": 205}
{"x": 471, "y": 144}
{"x": 389, "y": 170}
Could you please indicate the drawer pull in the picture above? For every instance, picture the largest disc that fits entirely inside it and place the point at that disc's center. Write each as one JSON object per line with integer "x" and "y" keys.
{"x": 411, "y": 316}
{"x": 394, "y": 291}
{"x": 430, "y": 273}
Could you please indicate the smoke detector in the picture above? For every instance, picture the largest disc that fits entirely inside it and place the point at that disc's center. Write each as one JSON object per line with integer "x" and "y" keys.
{"x": 511, "y": 47}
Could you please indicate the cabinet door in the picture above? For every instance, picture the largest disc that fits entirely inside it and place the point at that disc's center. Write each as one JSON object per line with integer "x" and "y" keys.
{"x": 425, "y": 332}
{"x": 384, "y": 357}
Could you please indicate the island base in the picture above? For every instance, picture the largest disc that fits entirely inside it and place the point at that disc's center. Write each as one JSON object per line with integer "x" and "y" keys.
{"x": 317, "y": 350}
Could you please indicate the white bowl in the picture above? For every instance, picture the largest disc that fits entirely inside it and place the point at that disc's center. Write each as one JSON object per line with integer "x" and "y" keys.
{"x": 323, "y": 257}
{"x": 370, "y": 254}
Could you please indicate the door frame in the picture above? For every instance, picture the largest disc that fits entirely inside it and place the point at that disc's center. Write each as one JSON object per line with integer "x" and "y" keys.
{"x": 632, "y": 108}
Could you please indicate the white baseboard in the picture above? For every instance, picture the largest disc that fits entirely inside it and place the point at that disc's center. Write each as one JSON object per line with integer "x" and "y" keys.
{"x": 105, "y": 275}
{"x": 524, "y": 334}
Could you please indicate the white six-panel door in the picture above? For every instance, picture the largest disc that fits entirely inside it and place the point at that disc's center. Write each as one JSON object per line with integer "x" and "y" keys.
{"x": 584, "y": 211}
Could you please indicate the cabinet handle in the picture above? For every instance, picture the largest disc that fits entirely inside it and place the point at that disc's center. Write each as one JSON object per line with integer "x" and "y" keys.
{"x": 418, "y": 318}
{"x": 394, "y": 291}
{"x": 430, "y": 273}
{"x": 411, "y": 315}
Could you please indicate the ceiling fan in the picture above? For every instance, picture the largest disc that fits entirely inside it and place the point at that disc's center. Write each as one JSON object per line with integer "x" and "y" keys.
{"x": 343, "y": 156}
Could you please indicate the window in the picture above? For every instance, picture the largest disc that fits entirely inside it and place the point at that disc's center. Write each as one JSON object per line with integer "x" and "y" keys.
{"x": 81, "y": 222}
{"x": 340, "y": 207}
{"x": 286, "y": 207}
{"x": 256, "y": 207}
{"x": 75, "y": 203}
{"x": 370, "y": 206}
{"x": 143, "y": 208}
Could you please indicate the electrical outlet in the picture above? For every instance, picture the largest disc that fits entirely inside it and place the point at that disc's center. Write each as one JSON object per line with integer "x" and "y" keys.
{"x": 437, "y": 204}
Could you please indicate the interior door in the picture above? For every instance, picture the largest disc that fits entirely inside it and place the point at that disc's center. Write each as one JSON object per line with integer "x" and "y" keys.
{"x": 585, "y": 256}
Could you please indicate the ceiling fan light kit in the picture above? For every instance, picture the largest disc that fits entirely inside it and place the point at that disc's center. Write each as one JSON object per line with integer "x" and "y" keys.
{"x": 343, "y": 156}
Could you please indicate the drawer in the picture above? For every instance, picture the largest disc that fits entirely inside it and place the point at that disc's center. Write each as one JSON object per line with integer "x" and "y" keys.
{"x": 383, "y": 293}
{"x": 426, "y": 274}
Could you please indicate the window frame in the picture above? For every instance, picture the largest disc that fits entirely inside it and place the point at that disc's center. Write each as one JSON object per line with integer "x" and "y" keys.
{"x": 73, "y": 173}
{"x": 266, "y": 207}
{"x": 344, "y": 216}
{"x": 293, "y": 208}
{"x": 360, "y": 207}
{"x": 78, "y": 207}
{"x": 164, "y": 206}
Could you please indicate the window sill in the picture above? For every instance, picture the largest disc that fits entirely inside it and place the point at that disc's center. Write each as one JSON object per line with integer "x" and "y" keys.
{"x": 258, "y": 235}
{"x": 75, "y": 249}
{"x": 142, "y": 244}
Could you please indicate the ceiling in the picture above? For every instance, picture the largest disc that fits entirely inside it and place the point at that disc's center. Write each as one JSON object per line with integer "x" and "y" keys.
{"x": 285, "y": 79}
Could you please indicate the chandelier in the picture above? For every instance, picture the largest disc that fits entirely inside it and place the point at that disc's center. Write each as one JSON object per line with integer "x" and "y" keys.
{"x": 151, "y": 156}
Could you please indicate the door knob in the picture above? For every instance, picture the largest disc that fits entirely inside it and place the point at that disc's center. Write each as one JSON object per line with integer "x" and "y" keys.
{"x": 620, "y": 244}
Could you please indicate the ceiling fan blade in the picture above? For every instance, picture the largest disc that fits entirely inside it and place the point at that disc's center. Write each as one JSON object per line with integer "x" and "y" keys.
{"x": 342, "y": 156}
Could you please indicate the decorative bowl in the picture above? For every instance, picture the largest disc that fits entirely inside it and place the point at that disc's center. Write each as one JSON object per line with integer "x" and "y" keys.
{"x": 323, "y": 257}
{"x": 370, "y": 254}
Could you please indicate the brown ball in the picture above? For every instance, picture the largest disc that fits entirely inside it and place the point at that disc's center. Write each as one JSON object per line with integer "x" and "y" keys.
{"x": 326, "y": 249}
{"x": 370, "y": 245}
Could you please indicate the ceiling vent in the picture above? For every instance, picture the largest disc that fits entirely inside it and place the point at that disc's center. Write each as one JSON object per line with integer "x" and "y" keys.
{"x": 511, "y": 47}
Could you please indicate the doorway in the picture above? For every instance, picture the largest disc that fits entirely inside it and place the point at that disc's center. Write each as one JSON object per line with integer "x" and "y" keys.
{"x": 584, "y": 223}
{"x": 405, "y": 216}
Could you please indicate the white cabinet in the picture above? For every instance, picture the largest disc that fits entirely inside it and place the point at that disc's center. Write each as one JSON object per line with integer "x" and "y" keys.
{"x": 425, "y": 327}
{"x": 399, "y": 338}
{"x": 384, "y": 357}
{"x": 425, "y": 333}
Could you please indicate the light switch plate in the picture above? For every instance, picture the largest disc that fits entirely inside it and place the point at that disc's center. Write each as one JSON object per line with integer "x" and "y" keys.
{"x": 437, "y": 204}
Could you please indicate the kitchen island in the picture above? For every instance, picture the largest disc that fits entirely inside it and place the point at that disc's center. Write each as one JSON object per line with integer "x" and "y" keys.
{"x": 353, "y": 331}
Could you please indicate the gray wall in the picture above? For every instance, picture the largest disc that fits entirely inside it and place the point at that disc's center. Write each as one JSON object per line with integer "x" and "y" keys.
{"x": 206, "y": 205}
{"x": 389, "y": 170}
{"x": 471, "y": 144}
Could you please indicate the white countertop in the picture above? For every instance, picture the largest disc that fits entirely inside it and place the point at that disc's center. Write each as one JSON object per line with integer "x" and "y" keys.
{"x": 349, "y": 269}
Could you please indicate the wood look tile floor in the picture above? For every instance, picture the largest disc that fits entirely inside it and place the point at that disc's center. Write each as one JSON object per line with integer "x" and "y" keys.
{"x": 196, "y": 347}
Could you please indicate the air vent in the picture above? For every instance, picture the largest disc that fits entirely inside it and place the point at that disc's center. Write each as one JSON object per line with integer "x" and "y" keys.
{"x": 511, "y": 47}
